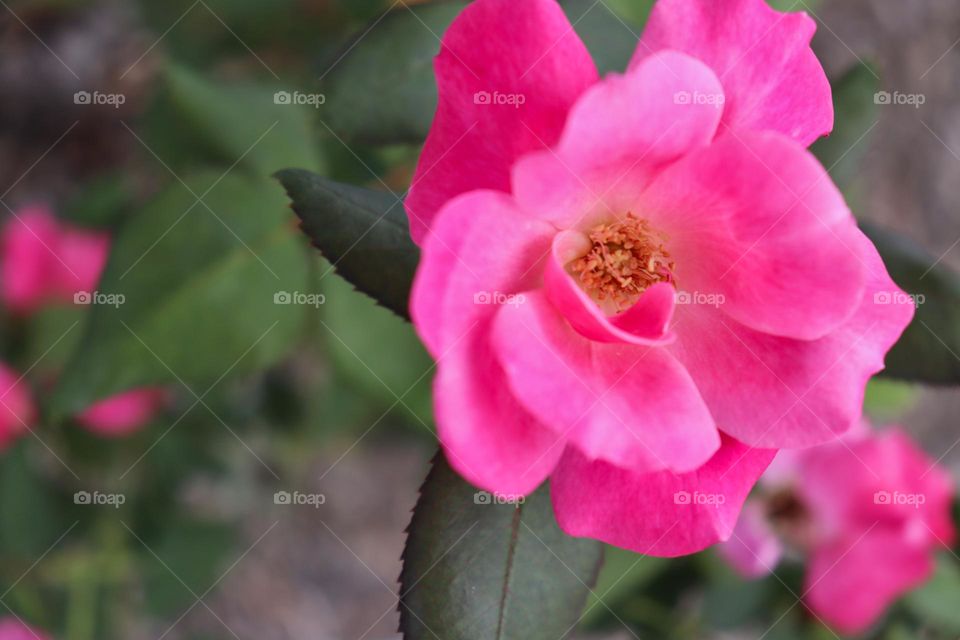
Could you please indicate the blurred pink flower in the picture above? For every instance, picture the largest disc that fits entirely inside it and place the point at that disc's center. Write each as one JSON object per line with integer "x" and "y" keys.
{"x": 868, "y": 511}
{"x": 44, "y": 260}
{"x": 123, "y": 414}
{"x": 639, "y": 286}
{"x": 17, "y": 411}
{"x": 13, "y": 629}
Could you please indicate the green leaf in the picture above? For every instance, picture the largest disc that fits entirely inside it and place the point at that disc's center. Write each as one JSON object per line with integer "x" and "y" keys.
{"x": 887, "y": 400}
{"x": 794, "y": 5}
{"x": 477, "y": 570}
{"x": 731, "y": 602}
{"x": 936, "y": 601}
{"x": 855, "y": 117}
{"x": 623, "y": 573}
{"x": 189, "y": 556}
{"x": 610, "y": 39}
{"x": 381, "y": 355}
{"x": 363, "y": 233}
{"x": 197, "y": 282}
{"x": 30, "y": 517}
{"x": 380, "y": 89}
{"x": 242, "y": 122}
{"x": 633, "y": 12}
{"x": 54, "y": 333}
{"x": 929, "y": 350}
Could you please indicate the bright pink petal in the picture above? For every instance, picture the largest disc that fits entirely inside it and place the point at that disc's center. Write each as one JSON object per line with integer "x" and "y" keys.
{"x": 757, "y": 220}
{"x": 488, "y": 437}
{"x": 13, "y": 629}
{"x": 124, "y": 413}
{"x": 777, "y": 392}
{"x": 884, "y": 481}
{"x": 770, "y": 75}
{"x": 645, "y": 323}
{"x": 496, "y": 50}
{"x": 482, "y": 252}
{"x": 482, "y": 255}
{"x": 851, "y": 582}
{"x": 659, "y": 514}
{"x": 28, "y": 247}
{"x": 17, "y": 411}
{"x": 83, "y": 255}
{"x": 618, "y": 136}
{"x": 632, "y": 406}
{"x": 754, "y": 549}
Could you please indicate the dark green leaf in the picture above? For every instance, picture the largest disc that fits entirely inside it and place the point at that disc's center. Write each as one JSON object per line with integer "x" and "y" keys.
{"x": 476, "y": 570}
{"x": 855, "y": 117}
{"x": 197, "y": 287}
{"x": 623, "y": 573}
{"x": 363, "y": 233}
{"x": 929, "y": 350}
{"x": 633, "y": 12}
{"x": 732, "y": 601}
{"x": 30, "y": 517}
{"x": 243, "y": 122}
{"x": 381, "y": 355}
{"x": 189, "y": 556}
{"x": 53, "y": 334}
{"x": 610, "y": 39}
{"x": 380, "y": 88}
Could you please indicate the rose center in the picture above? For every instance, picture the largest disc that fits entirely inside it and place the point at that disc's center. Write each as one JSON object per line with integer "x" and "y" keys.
{"x": 791, "y": 518}
{"x": 626, "y": 257}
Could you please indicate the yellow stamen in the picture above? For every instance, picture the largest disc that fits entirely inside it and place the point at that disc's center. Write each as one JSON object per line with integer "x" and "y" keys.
{"x": 625, "y": 259}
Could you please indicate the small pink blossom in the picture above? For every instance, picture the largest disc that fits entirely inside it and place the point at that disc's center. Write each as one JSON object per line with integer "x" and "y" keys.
{"x": 44, "y": 260}
{"x": 868, "y": 511}
{"x": 124, "y": 413}
{"x": 17, "y": 411}
{"x": 639, "y": 286}
{"x": 12, "y": 628}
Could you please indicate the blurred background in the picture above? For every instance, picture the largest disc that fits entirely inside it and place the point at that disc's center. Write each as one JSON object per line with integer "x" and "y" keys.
{"x": 157, "y": 126}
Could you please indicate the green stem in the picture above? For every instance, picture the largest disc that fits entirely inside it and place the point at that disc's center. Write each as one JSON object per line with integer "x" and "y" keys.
{"x": 82, "y": 600}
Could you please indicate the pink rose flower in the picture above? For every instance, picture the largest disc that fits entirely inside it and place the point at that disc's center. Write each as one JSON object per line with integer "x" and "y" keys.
{"x": 17, "y": 411}
{"x": 868, "y": 511}
{"x": 13, "y": 629}
{"x": 640, "y": 286}
{"x": 124, "y": 413}
{"x": 44, "y": 260}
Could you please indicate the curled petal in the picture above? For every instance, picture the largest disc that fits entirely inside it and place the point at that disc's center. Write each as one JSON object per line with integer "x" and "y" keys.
{"x": 659, "y": 514}
{"x": 771, "y": 78}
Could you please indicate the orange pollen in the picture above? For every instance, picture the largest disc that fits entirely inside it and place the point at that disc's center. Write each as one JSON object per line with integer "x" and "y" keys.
{"x": 625, "y": 259}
